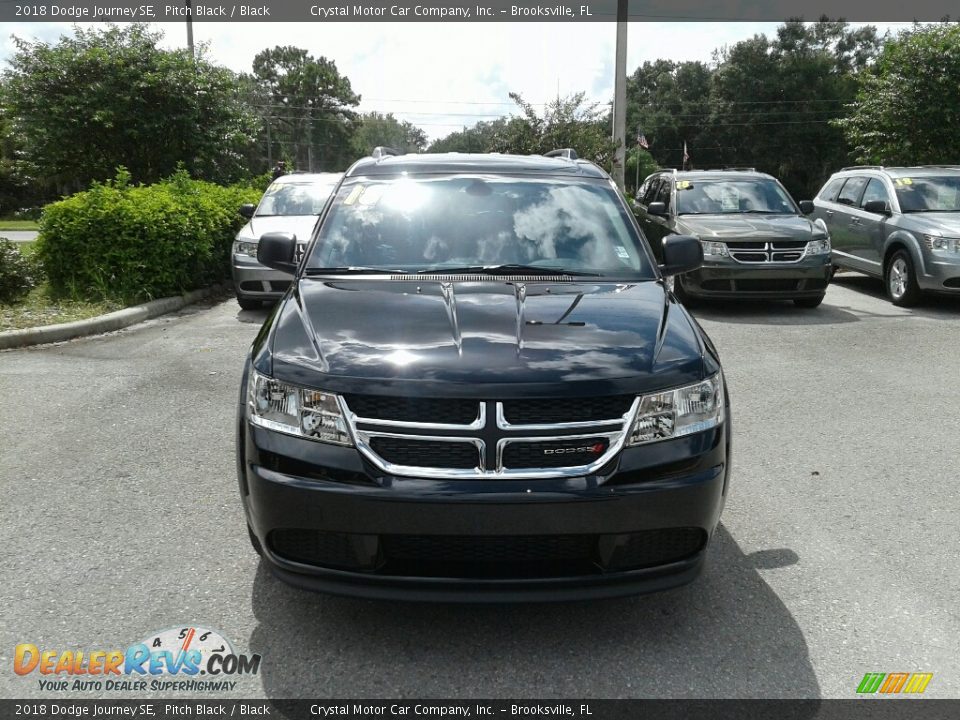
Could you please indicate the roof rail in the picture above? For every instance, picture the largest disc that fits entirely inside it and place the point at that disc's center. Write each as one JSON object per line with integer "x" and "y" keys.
{"x": 568, "y": 153}
{"x": 862, "y": 167}
{"x": 382, "y": 151}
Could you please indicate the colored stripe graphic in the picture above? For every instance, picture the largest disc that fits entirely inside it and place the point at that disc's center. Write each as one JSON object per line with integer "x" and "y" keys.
{"x": 870, "y": 683}
{"x": 918, "y": 682}
{"x": 893, "y": 683}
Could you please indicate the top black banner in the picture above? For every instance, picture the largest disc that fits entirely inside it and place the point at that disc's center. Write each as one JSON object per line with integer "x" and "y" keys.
{"x": 319, "y": 11}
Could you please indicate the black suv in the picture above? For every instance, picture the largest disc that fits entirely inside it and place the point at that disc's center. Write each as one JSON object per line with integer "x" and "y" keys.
{"x": 756, "y": 241}
{"x": 478, "y": 388}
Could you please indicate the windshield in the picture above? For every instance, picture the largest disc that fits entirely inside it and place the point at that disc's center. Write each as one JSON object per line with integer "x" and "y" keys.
{"x": 474, "y": 223}
{"x": 928, "y": 194}
{"x": 722, "y": 197}
{"x": 294, "y": 198}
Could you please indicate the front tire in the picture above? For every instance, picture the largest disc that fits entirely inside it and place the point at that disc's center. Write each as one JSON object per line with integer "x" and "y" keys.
{"x": 685, "y": 298}
{"x": 900, "y": 280}
{"x": 808, "y": 303}
{"x": 246, "y": 303}
{"x": 255, "y": 541}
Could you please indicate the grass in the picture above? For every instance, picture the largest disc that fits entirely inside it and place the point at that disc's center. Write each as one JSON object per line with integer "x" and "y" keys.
{"x": 39, "y": 308}
{"x": 19, "y": 225}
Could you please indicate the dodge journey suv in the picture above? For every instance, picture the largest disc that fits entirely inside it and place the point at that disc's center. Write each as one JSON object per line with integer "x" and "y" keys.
{"x": 900, "y": 224}
{"x": 756, "y": 241}
{"x": 478, "y": 387}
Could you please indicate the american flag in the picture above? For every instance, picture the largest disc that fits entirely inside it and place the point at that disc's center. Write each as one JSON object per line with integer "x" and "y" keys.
{"x": 642, "y": 140}
{"x": 686, "y": 155}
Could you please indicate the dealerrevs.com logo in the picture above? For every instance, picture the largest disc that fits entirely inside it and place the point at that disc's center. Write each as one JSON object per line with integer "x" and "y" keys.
{"x": 185, "y": 658}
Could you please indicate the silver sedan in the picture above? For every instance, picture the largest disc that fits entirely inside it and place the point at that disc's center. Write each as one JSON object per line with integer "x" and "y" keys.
{"x": 291, "y": 204}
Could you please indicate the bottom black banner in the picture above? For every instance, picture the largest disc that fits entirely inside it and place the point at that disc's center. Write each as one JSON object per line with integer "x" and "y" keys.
{"x": 861, "y": 709}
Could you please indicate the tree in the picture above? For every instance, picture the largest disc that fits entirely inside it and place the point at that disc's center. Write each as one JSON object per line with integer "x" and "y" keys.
{"x": 104, "y": 98}
{"x": 308, "y": 107}
{"x": 568, "y": 122}
{"x": 773, "y": 101}
{"x": 477, "y": 139}
{"x": 376, "y": 129}
{"x": 908, "y": 103}
{"x": 669, "y": 103}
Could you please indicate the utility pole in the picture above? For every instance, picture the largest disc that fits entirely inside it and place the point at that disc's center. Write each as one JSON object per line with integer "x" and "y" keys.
{"x": 620, "y": 96}
{"x": 190, "y": 27}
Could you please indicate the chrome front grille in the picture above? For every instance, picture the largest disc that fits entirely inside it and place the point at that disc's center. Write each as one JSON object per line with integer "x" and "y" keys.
{"x": 767, "y": 251}
{"x": 437, "y": 438}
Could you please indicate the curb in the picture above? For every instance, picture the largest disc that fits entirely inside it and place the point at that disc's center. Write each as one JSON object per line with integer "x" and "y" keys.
{"x": 104, "y": 323}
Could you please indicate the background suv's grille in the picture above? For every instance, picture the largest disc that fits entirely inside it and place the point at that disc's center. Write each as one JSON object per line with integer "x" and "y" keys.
{"x": 565, "y": 409}
{"x": 426, "y": 453}
{"x": 761, "y": 251}
{"x": 546, "y": 455}
{"x": 416, "y": 410}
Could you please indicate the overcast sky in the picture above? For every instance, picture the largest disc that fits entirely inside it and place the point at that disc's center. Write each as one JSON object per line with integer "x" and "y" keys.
{"x": 442, "y": 76}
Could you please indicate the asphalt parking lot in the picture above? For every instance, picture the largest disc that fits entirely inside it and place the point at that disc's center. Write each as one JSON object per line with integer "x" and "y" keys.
{"x": 837, "y": 553}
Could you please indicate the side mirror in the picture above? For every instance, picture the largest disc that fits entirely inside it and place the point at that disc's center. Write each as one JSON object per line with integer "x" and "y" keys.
{"x": 657, "y": 208}
{"x": 247, "y": 209}
{"x": 681, "y": 254}
{"x": 877, "y": 207}
{"x": 806, "y": 206}
{"x": 277, "y": 250}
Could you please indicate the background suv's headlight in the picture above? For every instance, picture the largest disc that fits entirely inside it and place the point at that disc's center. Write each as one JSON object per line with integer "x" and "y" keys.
{"x": 245, "y": 247}
{"x": 714, "y": 249}
{"x": 942, "y": 244}
{"x": 819, "y": 246}
{"x": 312, "y": 414}
{"x": 679, "y": 412}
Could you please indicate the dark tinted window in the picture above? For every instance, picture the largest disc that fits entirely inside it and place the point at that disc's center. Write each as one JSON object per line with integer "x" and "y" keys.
{"x": 450, "y": 222}
{"x": 850, "y": 195}
{"x": 875, "y": 191}
{"x": 832, "y": 189}
{"x": 651, "y": 192}
{"x": 663, "y": 192}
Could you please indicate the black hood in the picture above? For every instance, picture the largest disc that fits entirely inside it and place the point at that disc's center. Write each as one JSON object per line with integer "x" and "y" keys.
{"x": 486, "y": 337}
{"x": 738, "y": 226}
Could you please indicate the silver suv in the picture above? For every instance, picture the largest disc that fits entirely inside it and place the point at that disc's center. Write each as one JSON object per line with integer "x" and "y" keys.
{"x": 901, "y": 224}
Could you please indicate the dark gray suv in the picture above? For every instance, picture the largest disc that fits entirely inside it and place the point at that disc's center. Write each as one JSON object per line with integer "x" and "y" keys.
{"x": 756, "y": 241}
{"x": 901, "y": 224}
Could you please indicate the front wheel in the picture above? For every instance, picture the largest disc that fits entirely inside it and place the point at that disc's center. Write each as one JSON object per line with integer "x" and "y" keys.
{"x": 901, "y": 280}
{"x": 680, "y": 293}
{"x": 246, "y": 303}
{"x": 808, "y": 302}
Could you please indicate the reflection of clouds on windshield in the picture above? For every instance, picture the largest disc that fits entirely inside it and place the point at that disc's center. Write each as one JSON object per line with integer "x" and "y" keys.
{"x": 569, "y": 224}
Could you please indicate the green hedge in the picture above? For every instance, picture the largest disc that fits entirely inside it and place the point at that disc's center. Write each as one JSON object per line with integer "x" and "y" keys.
{"x": 118, "y": 241}
{"x": 18, "y": 273}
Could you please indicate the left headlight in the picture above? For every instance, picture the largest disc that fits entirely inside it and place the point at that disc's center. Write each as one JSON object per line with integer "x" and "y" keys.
{"x": 679, "y": 412}
{"x": 942, "y": 244}
{"x": 312, "y": 414}
{"x": 245, "y": 247}
{"x": 818, "y": 246}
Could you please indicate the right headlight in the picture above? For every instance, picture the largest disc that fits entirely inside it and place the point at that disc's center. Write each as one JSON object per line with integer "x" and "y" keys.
{"x": 674, "y": 413}
{"x": 245, "y": 247}
{"x": 294, "y": 410}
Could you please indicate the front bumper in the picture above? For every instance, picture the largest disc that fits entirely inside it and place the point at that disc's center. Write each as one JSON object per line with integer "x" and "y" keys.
{"x": 255, "y": 281}
{"x": 727, "y": 278}
{"x": 939, "y": 273}
{"x": 329, "y": 521}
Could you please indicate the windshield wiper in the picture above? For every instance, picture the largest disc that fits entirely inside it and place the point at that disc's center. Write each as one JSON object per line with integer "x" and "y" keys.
{"x": 506, "y": 269}
{"x": 352, "y": 270}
